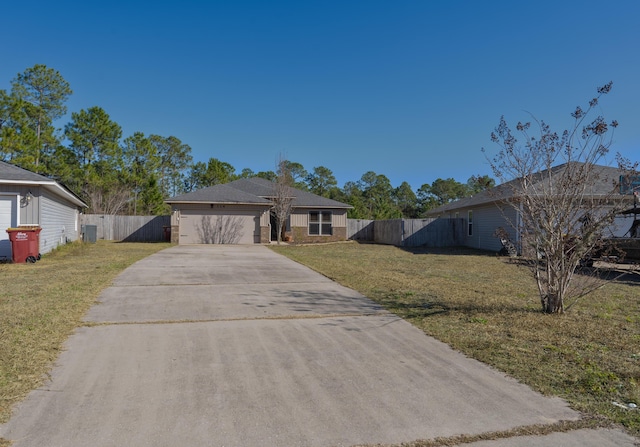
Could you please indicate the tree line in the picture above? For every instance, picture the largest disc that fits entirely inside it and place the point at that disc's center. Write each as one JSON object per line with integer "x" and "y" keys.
{"x": 135, "y": 174}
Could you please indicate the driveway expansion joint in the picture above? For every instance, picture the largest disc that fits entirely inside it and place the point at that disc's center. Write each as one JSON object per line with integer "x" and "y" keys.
{"x": 222, "y": 320}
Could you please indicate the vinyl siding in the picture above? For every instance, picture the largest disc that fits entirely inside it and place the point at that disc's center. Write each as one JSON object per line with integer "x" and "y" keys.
{"x": 59, "y": 222}
{"x": 300, "y": 217}
{"x": 26, "y": 215}
{"x": 486, "y": 222}
{"x": 30, "y": 214}
{"x": 486, "y": 219}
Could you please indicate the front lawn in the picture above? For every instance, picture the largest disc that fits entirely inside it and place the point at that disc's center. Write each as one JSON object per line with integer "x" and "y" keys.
{"x": 487, "y": 307}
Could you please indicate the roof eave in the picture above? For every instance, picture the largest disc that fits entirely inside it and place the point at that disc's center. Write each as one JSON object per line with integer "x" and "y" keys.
{"x": 209, "y": 202}
{"x": 323, "y": 207}
{"x": 48, "y": 184}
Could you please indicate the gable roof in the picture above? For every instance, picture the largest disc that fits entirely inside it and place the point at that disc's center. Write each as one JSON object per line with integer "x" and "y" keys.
{"x": 220, "y": 194}
{"x": 254, "y": 185}
{"x": 254, "y": 190}
{"x": 14, "y": 175}
{"x": 604, "y": 176}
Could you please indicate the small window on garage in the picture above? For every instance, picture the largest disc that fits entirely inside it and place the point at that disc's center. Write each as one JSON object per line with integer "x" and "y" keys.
{"x": 470, "y": 223}
{"x": 320, "y": 223}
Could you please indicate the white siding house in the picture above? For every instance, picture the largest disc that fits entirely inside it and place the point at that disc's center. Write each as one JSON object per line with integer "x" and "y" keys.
{"x": 61, "y": 222}
{"x": 27, "y": 198}
{"x": 489, "y": 210}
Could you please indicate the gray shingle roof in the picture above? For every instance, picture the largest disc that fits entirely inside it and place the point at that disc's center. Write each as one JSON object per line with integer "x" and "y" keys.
{"x": 220, "y": 194}
{"x": 255, "y": 190}
{"x": 12, "y": 173}
{"x": 254, "y": 185}
{"x": 604, "y": 176}
{"x": 265, "y": 188}
{"x": 304, "y": 199}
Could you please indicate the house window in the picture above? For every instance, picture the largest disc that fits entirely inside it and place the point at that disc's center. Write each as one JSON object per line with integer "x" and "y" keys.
{"x": 470, "y": 224}
{"x": 320, "y": 223}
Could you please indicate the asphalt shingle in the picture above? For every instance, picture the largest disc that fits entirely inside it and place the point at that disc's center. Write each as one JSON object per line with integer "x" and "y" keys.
{"x": 255, "y": 190}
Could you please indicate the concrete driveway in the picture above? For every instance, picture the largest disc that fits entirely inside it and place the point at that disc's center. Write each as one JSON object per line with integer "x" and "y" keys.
{"x": 239, "y": 346}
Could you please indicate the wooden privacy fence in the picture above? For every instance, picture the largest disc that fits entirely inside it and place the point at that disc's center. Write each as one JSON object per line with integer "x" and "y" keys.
{"x": 360, "y": 229}
{"x": 129, "y": 228}
{"x": 432, "y": 232}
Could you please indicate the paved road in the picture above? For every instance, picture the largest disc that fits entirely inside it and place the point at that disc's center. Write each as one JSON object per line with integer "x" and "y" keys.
{"x": 239, "y": 346}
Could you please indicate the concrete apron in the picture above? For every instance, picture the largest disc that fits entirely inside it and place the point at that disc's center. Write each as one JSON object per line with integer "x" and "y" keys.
{"x": 239, "y": 346}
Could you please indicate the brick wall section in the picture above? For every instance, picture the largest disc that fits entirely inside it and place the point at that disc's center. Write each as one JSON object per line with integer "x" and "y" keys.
{"x": 175, "y": 234}
{"x": 265, "y": 235}
{"x": 300, "y": 236}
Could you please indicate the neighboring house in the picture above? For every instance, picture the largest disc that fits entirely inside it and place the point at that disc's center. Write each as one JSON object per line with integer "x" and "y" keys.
{"x": 487, "y": 211}
{"x": 27, "y": 198}
{"x": 240, "y": 213}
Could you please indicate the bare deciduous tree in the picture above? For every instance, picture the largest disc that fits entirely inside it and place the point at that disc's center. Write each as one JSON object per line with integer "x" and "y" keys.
{"x": 103, "y": 201}
{"x": 282, "y": 196}
{"x": 564, "y": 199}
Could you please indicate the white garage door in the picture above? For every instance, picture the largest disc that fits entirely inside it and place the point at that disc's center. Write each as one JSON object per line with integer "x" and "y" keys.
{"x": 7, "y": 220}
{"x": 219, "y": 227}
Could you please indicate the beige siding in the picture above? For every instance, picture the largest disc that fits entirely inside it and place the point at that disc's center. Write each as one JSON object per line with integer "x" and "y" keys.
{"x": 300, "y": 218}
{"x": 175, "y": 217}
{"x": 339, "y": 218}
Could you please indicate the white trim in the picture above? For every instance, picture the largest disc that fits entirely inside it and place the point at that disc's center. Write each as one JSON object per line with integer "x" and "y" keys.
{"x": 51, "y": 185}
{"x": 17, "y": 210}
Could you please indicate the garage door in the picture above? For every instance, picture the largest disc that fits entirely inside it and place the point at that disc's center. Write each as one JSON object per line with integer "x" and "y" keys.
{"x": 219, "y": 227}
{"x": 7, "y": 220}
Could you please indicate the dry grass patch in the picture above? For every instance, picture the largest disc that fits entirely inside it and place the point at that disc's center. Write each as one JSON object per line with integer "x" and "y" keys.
{"x": 41, "y": 304}
{"x": 488, "y": 308}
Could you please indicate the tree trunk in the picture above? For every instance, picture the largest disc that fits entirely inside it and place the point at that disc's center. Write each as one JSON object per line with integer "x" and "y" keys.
{"x": 553, "y": 304}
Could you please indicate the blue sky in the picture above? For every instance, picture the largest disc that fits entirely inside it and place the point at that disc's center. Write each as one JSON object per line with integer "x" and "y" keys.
{"x": 408, "y": 89}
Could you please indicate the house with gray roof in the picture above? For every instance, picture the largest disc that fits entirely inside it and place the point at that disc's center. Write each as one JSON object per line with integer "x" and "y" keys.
{"x": 27, "y": 199}
{"x": 489, "y": 210}
{"x": 239, "y": 212}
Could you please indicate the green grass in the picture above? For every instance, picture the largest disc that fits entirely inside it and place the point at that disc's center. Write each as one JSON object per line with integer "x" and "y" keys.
{"x": 41, "y": 304}
{"x": 487, "y": 307}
